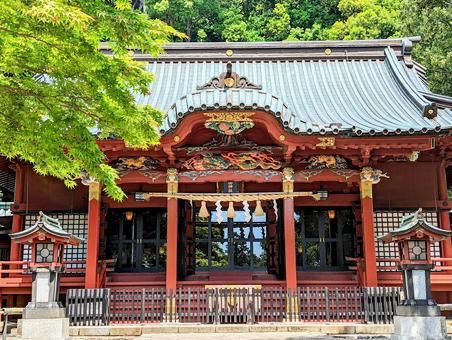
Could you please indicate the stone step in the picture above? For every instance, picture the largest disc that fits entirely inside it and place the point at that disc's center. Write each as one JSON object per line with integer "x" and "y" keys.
{"x": 142, "y": 330}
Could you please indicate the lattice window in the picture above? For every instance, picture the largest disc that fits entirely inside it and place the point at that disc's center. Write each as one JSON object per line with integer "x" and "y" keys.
{"x": 76, "y": 224}
{"x": 388, "y": 220}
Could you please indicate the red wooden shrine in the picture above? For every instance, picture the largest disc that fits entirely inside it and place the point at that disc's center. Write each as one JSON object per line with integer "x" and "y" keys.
{"x": 280, "y": 164}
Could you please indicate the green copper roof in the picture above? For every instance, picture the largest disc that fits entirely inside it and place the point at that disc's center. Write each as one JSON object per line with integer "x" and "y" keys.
{"x": 361, "y": 87}
{"x": 49, "y": 225}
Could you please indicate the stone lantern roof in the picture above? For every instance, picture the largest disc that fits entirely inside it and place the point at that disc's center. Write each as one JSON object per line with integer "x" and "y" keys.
{"x": 46, "y": 227}
{"x": 416, "y": 225}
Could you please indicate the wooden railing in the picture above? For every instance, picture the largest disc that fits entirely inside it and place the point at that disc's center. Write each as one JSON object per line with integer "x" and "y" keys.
{"x": 231, "y": 305}
{"x": 357, "y": 264}
{"x": 71, "y": 267}
{"x": 104, "y": 267}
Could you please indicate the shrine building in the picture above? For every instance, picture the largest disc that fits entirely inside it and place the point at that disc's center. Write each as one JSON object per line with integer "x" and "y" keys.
{"x": 280, "y": 165}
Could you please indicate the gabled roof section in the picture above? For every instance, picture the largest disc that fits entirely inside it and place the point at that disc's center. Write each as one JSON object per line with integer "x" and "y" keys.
{"x": 328, "y": 87}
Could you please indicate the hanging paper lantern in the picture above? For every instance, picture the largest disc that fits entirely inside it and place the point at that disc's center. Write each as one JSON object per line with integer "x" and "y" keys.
{"x": 231, "y": 212}
{"x": 259, "y": 211}
{"x": 203, "y": 212}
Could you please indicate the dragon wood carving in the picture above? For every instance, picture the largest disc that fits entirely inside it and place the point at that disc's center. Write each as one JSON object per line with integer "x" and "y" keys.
{"x": 232, "y": 160}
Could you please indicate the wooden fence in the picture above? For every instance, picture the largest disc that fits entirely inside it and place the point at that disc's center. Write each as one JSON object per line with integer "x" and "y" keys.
{"x": 380, "y": 304}
{"x": 231, "y": 305}
{"x": 88, "y": 307}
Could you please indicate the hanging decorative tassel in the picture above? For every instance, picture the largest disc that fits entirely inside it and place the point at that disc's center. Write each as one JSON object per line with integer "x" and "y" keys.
{"x": 231, "y": 212}
{"x": 275, "y": 207}
{"x": 219, "y": 212}
{"x": 259, "y": 211}
{"x": 203, "y": 212}
{"x": 246, "y": 209}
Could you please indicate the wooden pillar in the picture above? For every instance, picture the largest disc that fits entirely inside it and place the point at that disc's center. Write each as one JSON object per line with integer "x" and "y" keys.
{"x": 289, "y": 244}
{"x": 171, "y": 230}
{"x": 18, "y": 220}
{"x": 92, "y": 255}
{"x": 444, "y": 219}
{"x": 289, "y": 230}
{"x": 367, "y": 220}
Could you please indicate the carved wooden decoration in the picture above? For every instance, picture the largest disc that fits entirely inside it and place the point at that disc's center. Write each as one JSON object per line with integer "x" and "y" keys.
{"x": 232, "y": 160}
{"x": 229, "y": 79}
{"x": 229, "y": 123}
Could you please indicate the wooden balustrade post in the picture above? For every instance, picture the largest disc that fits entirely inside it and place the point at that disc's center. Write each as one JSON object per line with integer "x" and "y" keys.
{"x": 93, "y": 235}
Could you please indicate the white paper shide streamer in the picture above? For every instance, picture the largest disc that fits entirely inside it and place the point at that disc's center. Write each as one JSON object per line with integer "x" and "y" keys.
{"x": 219, "y": 212}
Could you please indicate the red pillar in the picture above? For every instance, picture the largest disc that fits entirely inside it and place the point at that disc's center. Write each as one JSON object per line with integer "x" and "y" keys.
{"x": 289, "y": 244}
{"x": 367, "y": 220}
{"x": 18, "y": 220}
{"x": 93, "y": 235}
{"x": 171, "y": 245}
{"x": 444, "y": 218}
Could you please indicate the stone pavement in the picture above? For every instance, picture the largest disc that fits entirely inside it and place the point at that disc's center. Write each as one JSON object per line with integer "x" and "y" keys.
{"x": 259, "y": 336}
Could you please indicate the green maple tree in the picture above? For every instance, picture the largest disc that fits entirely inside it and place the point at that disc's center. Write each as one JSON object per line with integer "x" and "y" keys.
{"x": 59, "y": 92}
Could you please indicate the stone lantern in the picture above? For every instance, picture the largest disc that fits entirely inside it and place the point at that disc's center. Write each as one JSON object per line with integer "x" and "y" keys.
{"x": 47, "y": 241}
{"x": 418, "y": 316}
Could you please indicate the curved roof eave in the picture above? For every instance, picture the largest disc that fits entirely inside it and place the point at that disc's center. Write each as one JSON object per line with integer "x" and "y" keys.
{"x": 238, "y": 99}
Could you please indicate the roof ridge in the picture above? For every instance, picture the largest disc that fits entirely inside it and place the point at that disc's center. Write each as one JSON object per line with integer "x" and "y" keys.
{"x": 429, "y": 108}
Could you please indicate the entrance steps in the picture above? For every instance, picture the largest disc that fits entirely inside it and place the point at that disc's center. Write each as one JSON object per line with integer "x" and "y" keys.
{"x": 178, "y": 328}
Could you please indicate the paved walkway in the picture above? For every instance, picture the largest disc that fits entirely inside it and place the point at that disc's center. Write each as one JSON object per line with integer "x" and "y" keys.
{"x": 258, "y": 336}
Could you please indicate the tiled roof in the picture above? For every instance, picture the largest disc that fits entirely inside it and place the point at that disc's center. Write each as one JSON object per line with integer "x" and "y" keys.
{"x": 365, "y": 87}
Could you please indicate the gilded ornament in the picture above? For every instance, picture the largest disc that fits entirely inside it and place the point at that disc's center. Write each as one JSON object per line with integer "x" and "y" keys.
{"x": 176, "y": 139}
{"x": 229, "y": 82}
{"x": 288, "y": 179}
{"x": 141, "y": 164}
{"x": 172, "y": 180}
{"x": 365, "y": 187}
{"x": 229, "y": 53}
{"x": 326, "y": 162}
{"x": 229, "y": 123}
{"x": 327, "y": 51}
{"x": 326, "y": 141}
{"x": 413, "y": 156}
{"x": 94, "y": 191}
{"x": 282, "y": 138}
{"x": 372, "y": 175}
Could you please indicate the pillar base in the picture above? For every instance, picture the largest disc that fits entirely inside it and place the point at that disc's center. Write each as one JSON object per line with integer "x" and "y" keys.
{"x": 38, "y": 329}
{"x": 419, "y": 328}
{"x": 171, "y": 315}
{"x": 291, "y": 309}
